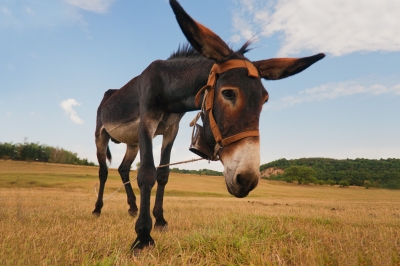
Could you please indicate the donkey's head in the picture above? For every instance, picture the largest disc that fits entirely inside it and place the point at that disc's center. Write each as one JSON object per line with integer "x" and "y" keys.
{"x": 232, "y": 112}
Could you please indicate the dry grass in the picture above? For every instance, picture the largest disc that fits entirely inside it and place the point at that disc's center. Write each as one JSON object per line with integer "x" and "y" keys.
{"x": 49, "y": 222}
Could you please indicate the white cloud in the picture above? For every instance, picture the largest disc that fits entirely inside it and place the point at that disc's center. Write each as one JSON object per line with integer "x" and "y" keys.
{"x": 49, "y": 15}
{"x": 34, "y": 55}
{"x": 5, "y": 10}
{"x": 28, "y": 10}
{"x": 11, "y": 67}
{"x": 34, "y": 16}
{"x": 332, "y": 91}
{"x": 243, "y": 29}
{"x": 35, "y": 115}
{"x": 336, "y": 27}
{"x": 8, "y": 114}
{"x": 97, "y": 6}
{"x": 67, "y": 106}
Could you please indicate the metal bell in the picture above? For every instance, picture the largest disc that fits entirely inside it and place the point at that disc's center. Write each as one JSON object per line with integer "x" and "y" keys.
{"x": 199, "y": 145}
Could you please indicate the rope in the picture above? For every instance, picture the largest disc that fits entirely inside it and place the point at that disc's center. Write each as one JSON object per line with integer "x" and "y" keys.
{"x": 188, "y": 161}
{"x": 160, "y": 166}
{"x": 95, "y": 190}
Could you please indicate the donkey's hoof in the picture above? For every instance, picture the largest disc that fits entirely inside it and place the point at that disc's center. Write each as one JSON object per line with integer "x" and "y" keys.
{"x": 136, "y": 252}
{"x": 132, "y": 213}
{"x": 161, "y": 228}
{"x": 138, "y": 245}
{"x": 96, "y": 214}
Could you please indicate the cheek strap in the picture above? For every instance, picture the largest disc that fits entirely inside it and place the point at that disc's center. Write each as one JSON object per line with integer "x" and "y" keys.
{"x": 208, "y": 101}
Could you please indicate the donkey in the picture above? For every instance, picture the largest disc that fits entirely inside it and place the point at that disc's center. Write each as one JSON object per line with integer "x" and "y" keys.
{"x": 210, "y": 77}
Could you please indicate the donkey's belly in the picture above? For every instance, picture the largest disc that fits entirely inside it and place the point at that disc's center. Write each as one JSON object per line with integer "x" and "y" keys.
{"x": 126, "y": 132}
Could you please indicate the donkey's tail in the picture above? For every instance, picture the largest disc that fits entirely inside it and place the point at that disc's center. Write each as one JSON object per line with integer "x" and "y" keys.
{"x": 108, "y": 154}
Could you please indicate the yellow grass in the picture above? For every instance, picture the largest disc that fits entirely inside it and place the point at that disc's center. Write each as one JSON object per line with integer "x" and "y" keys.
{"x": 48, "y": 222}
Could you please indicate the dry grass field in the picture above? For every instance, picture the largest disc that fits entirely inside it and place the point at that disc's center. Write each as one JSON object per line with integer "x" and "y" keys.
{"x": 45, "y": 219}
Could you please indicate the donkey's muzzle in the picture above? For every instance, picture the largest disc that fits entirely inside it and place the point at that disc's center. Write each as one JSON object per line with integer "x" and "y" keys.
{"x": 199, "y": 145}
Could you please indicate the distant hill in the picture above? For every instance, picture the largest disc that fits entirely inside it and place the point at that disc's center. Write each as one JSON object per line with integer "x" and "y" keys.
{"x": 198, "y": 172}
{"x": 384, "y": 173}
{"x": 39, "y": 152}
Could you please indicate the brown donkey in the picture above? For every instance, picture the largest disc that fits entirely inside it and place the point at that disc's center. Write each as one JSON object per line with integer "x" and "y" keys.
{"x": 210, "y": 77}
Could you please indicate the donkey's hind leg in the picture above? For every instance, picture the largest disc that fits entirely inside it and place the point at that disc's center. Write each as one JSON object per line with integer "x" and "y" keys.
{"x": 162, "y": 176}
{"x": 124, "y": 169}
{"x": 102, "y": 139}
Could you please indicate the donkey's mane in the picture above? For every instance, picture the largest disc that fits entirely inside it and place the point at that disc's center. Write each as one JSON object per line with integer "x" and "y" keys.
{"x": 186, "y": 50}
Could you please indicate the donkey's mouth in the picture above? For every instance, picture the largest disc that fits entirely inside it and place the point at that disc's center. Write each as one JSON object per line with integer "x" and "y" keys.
{"x": 242, "y": 187}
{"x": 238, "y": 194}
{"x": 241, "y": 162}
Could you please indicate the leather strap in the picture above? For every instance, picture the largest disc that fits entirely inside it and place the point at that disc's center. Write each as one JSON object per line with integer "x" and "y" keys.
{"x": 235, "y": 63}
{"x": 208, "y": 100}
{"x": 239, "y": 136}
{"x": 223, "y": 67}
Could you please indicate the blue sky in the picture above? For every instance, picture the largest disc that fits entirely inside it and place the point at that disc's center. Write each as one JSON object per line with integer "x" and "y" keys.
{"x": 57, "y": 59}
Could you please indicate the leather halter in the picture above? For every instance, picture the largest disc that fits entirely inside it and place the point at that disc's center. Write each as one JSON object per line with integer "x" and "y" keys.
{"x": 208, "y": 101}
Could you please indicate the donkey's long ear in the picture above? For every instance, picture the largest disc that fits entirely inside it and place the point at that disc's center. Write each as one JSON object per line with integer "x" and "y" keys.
{"x": 201, "y": 38}
{"x": 279, "y": 68}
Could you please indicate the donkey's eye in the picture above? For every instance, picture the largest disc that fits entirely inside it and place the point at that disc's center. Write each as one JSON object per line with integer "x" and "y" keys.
{"x": 228, "y": 94}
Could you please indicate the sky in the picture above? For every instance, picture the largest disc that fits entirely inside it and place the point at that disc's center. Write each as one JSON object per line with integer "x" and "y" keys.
{"x": 57, "y": 58}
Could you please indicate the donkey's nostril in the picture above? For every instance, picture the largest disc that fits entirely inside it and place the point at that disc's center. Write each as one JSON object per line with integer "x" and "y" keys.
{"x": 246, "y": 182}
{"x": 240, "y": 180}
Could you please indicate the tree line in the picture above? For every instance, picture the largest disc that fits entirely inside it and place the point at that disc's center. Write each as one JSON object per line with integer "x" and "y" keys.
{"x": 384, "y": 173}
{"x": 196, "y": 172}
{"x": 40, "y": 153}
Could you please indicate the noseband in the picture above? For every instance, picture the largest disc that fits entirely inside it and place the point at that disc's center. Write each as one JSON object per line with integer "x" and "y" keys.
{"x": 198, "y": 142}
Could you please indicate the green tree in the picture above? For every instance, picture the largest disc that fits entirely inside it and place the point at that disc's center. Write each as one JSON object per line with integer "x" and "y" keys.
{"x": 303, "y": 174}
{"x": 330, "y": 182}
{"x": 344, "y": 183}
{"x": 41, "y": 153}
{"x": 367, "y": 184}
{"x": 384, "y": 173}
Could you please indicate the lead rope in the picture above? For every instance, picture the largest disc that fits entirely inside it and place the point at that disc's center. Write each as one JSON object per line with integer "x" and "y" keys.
{"x": 160, "y": 166}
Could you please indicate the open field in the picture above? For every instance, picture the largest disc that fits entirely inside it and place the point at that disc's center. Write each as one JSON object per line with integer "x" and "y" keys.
{"x": 45, "y": 219}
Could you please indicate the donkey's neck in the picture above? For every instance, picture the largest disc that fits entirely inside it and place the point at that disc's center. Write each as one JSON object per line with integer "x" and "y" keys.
{"x": 183, "y": 79}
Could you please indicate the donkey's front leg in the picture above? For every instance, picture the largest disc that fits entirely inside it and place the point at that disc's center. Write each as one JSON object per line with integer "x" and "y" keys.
{"x": 162, "y": 176}
{"x": 146, "y": 179}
